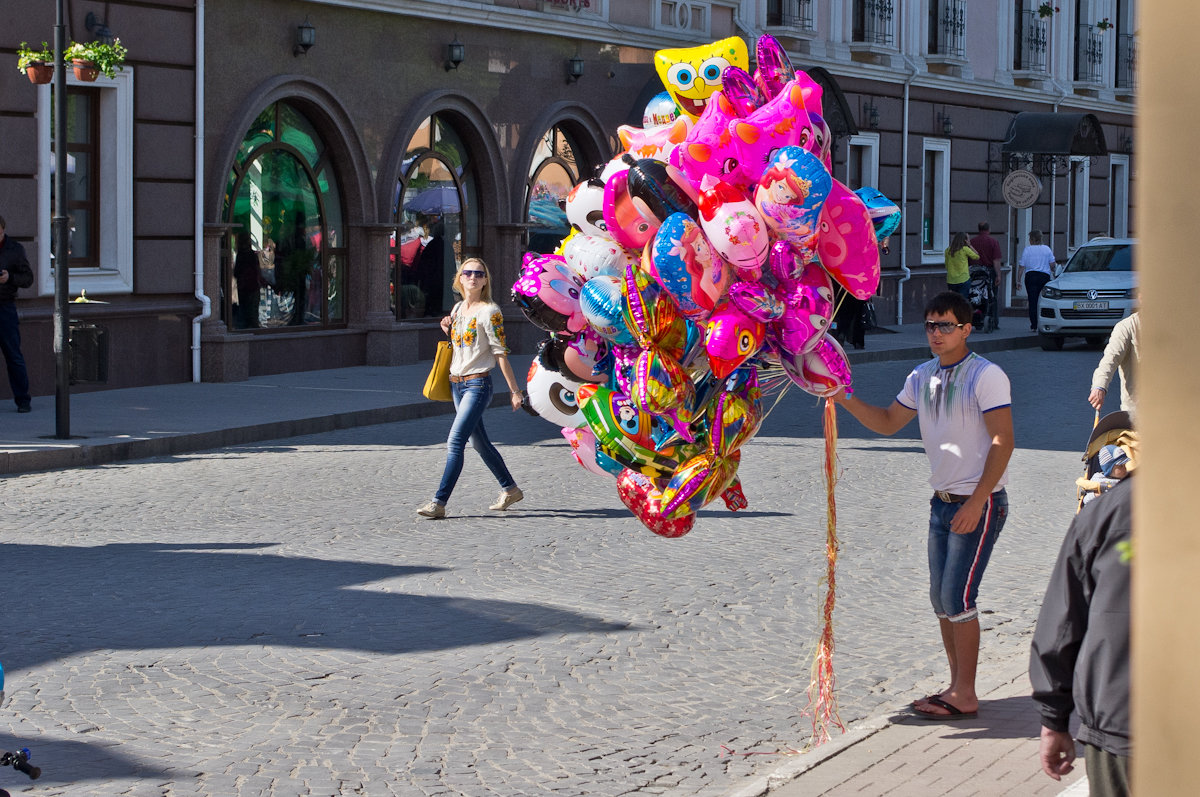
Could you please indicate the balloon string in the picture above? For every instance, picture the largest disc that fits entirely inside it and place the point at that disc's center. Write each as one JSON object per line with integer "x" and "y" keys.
{"x": 822, "y": 697}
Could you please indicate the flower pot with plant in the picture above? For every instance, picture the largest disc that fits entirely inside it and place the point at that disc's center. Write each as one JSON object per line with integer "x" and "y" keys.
{"x": 38, "y": 65}
{"x": 1103, "y": 24}
{"x": 1046, "y": 10}
{"x": 93, "y": 58}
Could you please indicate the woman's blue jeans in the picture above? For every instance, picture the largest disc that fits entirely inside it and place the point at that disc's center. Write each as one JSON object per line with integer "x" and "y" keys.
{"x": 471, "y": 398}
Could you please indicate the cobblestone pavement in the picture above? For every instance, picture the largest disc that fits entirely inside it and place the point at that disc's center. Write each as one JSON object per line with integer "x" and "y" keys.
{"x": 275, "y": 620}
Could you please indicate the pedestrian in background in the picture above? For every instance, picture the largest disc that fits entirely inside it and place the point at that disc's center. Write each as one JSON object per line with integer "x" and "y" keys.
{"x": 476, "y": 330}
{"x": 959, "y": 256}
{"x": 1120, "y": 355}
{"x": 990, "y": 256}
{"x": 15, "y": 273}
{"x": 1079, "y": 658}
{"x": 964, "y": 407}
{"x": 1037, "y": 264}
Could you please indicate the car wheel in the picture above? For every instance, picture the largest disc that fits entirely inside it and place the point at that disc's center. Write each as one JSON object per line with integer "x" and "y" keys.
{"x": 1051, "y": 343}
{"x": 1094, "y": 340}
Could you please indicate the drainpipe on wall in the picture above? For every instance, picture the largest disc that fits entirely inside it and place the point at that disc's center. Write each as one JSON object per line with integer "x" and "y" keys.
{"x": 916, "y": 70}
{"x": 198, "y": 231}
{"x": 1054, "y": 177}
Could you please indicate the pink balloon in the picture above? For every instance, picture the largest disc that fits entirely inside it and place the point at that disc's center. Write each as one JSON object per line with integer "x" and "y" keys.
{"x": 734, "y": 227}
{"x": 847, "y": 245}
{"x": 625, "y": 224}
{"x": 822, "y": 372}
{"x": 808, "y": 309}
{"x": 708, "y": 148}
{"x": 583, "y": 448}
{"x": 775, "y": 69}
{"x": 730, "y": 338}
{"x": 782, "y": 122}
{"x": 756, "y": 301}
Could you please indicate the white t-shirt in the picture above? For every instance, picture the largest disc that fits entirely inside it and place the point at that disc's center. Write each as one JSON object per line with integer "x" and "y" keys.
{"x": 476, "y": 337}
{"x": 1038, "y": 257}
{"x": 950, "y": 402}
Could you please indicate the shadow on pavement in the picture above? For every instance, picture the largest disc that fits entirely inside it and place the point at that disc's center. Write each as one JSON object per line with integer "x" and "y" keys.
{"x": 65, "y": 761}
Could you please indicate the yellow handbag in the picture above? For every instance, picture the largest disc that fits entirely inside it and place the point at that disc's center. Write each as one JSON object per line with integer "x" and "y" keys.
{"x": 437, "y": 384}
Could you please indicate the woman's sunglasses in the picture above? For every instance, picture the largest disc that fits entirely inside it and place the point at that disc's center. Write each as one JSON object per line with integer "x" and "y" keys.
{"x": 474, "y": 274}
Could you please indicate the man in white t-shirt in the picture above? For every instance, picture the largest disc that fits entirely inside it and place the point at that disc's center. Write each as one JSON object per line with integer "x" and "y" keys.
{"x": 964, "y": 406}
{"x": 1037, "y": 264}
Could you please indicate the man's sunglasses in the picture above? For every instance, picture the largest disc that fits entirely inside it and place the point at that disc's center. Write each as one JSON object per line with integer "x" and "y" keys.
{"x": 474, "y": 274}
{"x": 945, "y": 327}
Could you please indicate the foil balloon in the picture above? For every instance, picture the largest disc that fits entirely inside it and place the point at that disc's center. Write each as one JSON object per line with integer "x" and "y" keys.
{"x": 782, "y": 122}
{"x": 734, "y": 418}
{"x": 708, "y": 148}
{"x": 821, "y": 372}
{"x": 625, "y": 224}
{"x": 657, "y": 142}
{"x": 659, "y": 111}
{"x": 731, "y": 337}
{"x": 553, "y": 395}
{"x": 698, "y": 481}
{"x": 692, "y": 74}
{"x": 593, "y": 255}
{"x": 847, "y": 245}
{"x": 734, "y": 227}
{"x": 884, "y": 213}
{"x": 683, "y": 262}
{"x": 755, "y": 300}
{"x": 578, "y": 358}
{"x": 809, "y": 307}
{"x": 585, "y": 208}
{"x": 624, "y": 432}
{"x": 548, "y": 292}
{"x": 603, "y": 307}
{"x": 583, "y": 448}
{"x": 644, "y": 500}
{"x": 790, "y": 197}
{"x": 775, "y": 69}
{"x": 660, "y": 385}
{"x": 741, "y": 90}
{"x": 655, "y": 191}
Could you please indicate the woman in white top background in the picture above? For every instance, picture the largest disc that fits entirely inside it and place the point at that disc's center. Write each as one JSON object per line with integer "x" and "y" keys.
{"x": 1037, "y": 262}
{"x": 476, "y": 329}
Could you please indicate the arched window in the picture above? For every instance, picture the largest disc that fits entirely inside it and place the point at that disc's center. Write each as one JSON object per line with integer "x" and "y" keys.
{"x": 289, "y": 254}
{"x": 436, "y": 210}
{"x": 553, "y": 171}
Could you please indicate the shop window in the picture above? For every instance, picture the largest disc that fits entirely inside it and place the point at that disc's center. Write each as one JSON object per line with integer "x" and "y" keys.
{"x": 437, "y": 219}
{"x": 99, "y": 184}
{"x": 286, "y": 260}
{"x": 553, "y": 172}
{"x": 935, "y": 199}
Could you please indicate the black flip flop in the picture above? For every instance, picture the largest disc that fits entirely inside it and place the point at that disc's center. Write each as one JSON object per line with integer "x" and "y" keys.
{"x": 954, "y": 712}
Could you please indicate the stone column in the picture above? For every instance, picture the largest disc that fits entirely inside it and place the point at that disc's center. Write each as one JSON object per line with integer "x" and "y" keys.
{"x": 224, "y": 357}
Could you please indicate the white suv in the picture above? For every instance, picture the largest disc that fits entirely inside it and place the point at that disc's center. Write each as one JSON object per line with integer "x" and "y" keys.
{"x": 1090, "y": 295}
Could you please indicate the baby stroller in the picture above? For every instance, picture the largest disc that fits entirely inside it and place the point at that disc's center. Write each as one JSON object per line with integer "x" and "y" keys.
{"x": 1116, "y": 429}
{"x": 983, "y": 297}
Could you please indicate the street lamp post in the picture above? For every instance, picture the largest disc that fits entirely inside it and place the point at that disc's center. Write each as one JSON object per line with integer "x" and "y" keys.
{"x": 62, "y": 392}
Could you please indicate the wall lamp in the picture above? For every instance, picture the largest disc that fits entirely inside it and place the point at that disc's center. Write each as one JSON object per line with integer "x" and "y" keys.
{"x": 1126, "y": 143}
{"x": 456, "y": 53}
{"x": 98, "y": 29}
{"x": 306, "y": 37}
{"x": 872, "y": 114}
{"x": 946, "y": 124}
{"x": 574, "y": 69}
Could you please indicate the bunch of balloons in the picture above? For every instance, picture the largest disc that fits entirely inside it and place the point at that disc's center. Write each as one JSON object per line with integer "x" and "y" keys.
{"x": 704, "y": 252}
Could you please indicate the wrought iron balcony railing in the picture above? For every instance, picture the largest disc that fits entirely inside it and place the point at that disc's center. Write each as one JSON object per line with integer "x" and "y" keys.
{"x": 1126, "y": 61}
{"x": 1089, "y": 55}
{"x": 947, "y": 26}
{"x": 874, "y": 21}
{"x": 796, "y": 14}
{"x": 1029, "y": 43}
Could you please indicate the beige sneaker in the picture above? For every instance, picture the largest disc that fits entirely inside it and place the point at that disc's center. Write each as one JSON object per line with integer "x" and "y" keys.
{"x": 432, "y": 510}
{"x": 507, "y": 499}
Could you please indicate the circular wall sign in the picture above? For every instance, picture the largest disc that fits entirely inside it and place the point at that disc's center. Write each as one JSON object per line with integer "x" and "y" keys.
{"x": 1021, "y": 188}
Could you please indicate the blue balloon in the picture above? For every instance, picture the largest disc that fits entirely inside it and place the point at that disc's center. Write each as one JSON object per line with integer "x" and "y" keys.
{"x": 885, "y": 215}
{"x": 603, "y": 306}
{"x": 660, "y": 110}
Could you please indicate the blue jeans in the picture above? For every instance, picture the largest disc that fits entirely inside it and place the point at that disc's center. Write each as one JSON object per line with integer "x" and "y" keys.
{"x": 470, "y": 400}
{"x": 957, "y": 561}
{"x": 10, "y": 345}
{"x": 963, "y": 289}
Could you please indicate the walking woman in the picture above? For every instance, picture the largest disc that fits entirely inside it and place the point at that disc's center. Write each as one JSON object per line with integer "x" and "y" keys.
{"x": 476, "y": 329}
{"x": 959, "y": 255}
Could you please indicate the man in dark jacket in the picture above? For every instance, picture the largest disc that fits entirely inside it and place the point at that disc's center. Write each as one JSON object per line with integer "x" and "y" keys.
{"x": 1080, "y": 656}
{"x": 14, "y": 273}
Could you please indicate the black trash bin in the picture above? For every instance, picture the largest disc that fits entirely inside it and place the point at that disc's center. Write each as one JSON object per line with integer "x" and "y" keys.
{"x": 89, "y": 353}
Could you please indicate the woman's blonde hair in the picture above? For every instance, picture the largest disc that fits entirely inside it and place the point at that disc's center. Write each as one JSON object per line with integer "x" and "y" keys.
{"x": 456, "y": 285}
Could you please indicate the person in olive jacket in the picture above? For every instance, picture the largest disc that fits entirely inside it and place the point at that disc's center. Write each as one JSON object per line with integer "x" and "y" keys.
{"x": 14, "y": 273}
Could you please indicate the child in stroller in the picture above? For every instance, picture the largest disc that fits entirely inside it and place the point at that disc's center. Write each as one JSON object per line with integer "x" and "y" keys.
{"x": 1111, "y": 454}
{"x": 983, "y": 294}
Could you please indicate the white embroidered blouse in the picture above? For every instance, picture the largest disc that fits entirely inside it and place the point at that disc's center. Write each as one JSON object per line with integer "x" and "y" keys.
{"x": 476, "y": 337}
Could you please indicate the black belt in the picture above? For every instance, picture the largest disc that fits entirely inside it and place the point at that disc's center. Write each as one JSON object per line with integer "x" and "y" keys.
{"x": 950, "y": 498}
{"x": 468, "y": 377}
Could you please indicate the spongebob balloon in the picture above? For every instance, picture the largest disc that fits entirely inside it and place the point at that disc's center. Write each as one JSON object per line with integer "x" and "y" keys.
{"x": 692, "y": 74}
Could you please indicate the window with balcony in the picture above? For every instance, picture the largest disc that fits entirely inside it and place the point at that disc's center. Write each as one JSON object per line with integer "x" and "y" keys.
{"x": 874, "y": 22}
{"x": 1029, "y": 40}
{"x": 947, "y": 28}
{"x": 1089, "y": 55}
{"x": 794, "y": 14}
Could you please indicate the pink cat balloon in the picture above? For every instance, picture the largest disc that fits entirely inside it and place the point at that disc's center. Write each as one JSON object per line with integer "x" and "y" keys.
{"x": 847, "y": 245}
{"x": 782, "y": 122}
{"x": 734, "y": 227}
{"x": 708, "y": 148}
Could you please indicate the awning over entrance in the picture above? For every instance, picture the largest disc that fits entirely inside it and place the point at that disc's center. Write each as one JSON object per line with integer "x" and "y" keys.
{"x": 1055, "y": 134}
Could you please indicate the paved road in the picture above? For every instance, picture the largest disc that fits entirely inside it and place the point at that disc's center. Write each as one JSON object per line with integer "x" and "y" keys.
{"x": 275, "y": 620}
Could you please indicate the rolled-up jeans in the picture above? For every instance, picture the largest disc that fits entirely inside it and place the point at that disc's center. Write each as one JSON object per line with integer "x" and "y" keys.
{"x": 957, "y": 561}
{"x": 471, "y": 398}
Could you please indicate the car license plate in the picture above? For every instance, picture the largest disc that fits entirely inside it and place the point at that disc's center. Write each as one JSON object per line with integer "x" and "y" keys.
{"x": 1091, "y": 305}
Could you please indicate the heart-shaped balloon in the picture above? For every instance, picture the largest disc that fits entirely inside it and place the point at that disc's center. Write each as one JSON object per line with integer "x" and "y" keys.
{"x": 847, "y": 245}
{"x": 696, "y": 482}
{"x": 644, "y": 500}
